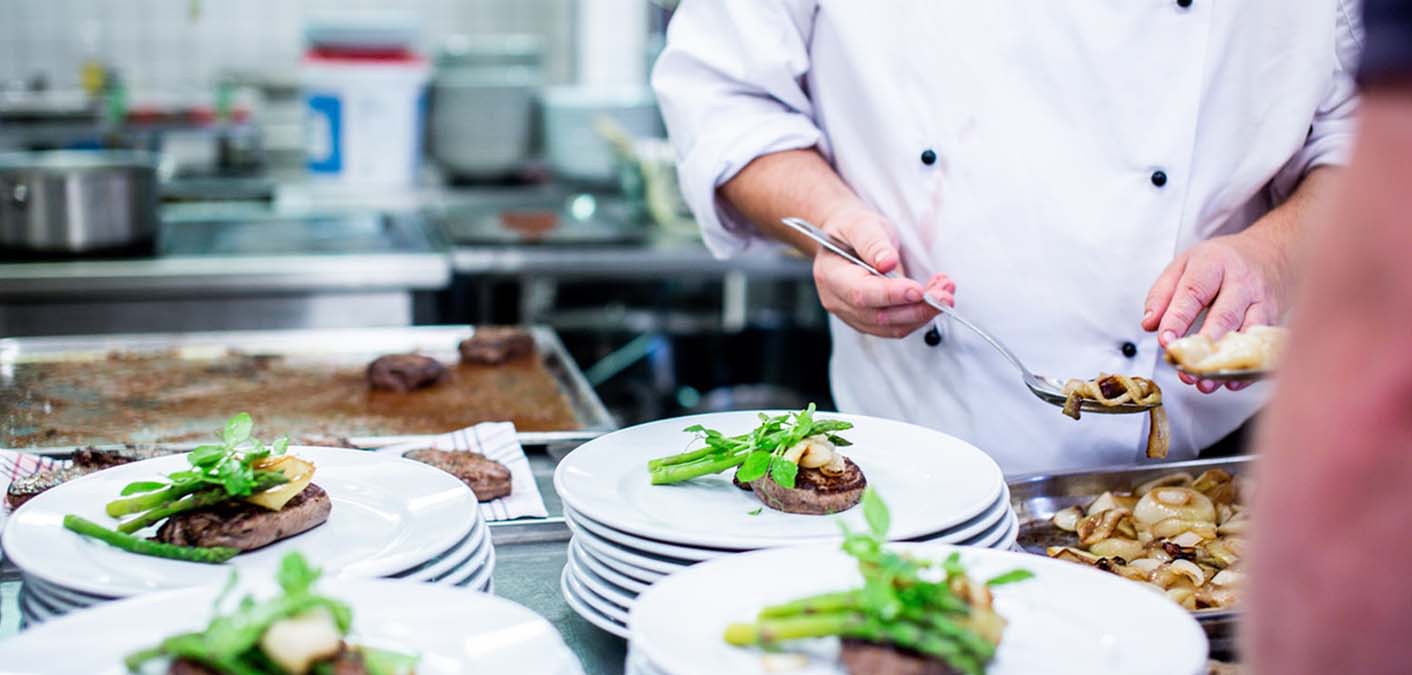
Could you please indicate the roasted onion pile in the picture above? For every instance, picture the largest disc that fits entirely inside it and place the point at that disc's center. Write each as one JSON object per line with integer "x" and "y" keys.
{"x": 1182, "y": 536}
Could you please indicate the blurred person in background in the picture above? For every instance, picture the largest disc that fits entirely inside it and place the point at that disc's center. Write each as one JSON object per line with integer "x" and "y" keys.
{"x": 1334, "y": 506}
{"x": 1087, "y": 177}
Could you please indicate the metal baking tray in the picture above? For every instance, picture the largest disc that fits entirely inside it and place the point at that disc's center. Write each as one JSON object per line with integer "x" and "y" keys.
{"x": 28, "y": 410}
{"x": 1036, "y": 497}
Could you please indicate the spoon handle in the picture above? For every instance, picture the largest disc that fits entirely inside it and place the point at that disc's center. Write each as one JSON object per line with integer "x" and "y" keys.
{"x": 840, "y": 247}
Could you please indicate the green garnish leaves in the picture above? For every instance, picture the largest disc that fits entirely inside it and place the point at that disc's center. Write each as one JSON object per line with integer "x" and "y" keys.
{"x": 207, "y": 455}
{"x": 755, "y": 466}
{"x": 952, "y": 565}
{"x": 295, "y": 575}
{"x": 142, "y": 486}
{"x": 783, "y": 472}
{"x": 1010, "y": 577}
{"x": 876, "y": 514}
{"x": 238, "y": 429}
{"x": 755, "y": 512}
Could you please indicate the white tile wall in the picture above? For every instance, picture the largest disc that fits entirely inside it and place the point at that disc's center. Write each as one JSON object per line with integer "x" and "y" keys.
{"x": 180, "y": 46}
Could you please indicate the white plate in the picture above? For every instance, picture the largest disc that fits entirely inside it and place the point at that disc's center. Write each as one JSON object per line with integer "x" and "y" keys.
{"x": 598, "y": 567}
{"x": 57, "y": 597}
{"x": 600, "y": 604}
{"x": 389, "y": 514}
{"x": 972, "y": 528}
{"x": 662, "y": 565}
{"x": 645, "y": 545}
{"x": 454, "y": 630}
{"x": 588, "y": 613}
{"x": 34, "y": 611}
{"x": 476, "y": 570}
{"x": 931, "y": 480}
{"x": 1061, "y": 621}
{"x": 604, "y": 588}
{"x": 597, "y": 549}
{"x": 452, "y": 559}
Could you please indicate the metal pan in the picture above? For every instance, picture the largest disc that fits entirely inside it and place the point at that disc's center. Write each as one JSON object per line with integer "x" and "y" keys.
{"x": 105, "y": 412}
{"x": 1036, "y": 497}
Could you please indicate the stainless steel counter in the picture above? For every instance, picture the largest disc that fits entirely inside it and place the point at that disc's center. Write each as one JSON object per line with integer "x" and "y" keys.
{"x": 659, "y": 257}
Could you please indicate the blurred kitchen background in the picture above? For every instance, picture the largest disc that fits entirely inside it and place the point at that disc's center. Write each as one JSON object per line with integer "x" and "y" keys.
{"x": 194, "y": 165}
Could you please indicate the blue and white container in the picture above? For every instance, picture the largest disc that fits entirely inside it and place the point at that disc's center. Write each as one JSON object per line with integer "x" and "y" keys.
{"x": 364, "y": 112}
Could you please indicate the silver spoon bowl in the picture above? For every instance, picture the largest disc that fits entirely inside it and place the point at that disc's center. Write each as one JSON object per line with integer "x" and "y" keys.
{"x": 1047, "y": 389}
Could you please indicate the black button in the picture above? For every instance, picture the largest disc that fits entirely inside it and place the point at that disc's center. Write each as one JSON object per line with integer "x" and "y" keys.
{"x": 1129, "y": 349}
{"x": 1159, "y": 178}
{"x": 933, "y": 337}
{"x": 928, "y": 157}
{"x": 1184, "y": 3}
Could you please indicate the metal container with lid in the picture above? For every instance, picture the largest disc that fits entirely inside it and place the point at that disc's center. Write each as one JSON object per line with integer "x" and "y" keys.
{"x": 69, "y": 202}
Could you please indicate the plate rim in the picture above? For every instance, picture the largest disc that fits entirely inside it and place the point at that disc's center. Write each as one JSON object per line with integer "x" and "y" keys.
{"x": 590, "y": 561}
{"x": 585, "y": 612}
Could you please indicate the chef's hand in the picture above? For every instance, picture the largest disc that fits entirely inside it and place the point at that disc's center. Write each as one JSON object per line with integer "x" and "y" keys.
{"x": 884, "y": 307}
{"x": 1235, "y": 278}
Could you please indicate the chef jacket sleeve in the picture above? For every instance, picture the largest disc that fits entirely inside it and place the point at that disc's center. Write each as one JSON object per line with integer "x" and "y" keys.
{"x": 1331, "y": 131}
{"x": 1387, "y": 55}
{"x": 730, "y": 85}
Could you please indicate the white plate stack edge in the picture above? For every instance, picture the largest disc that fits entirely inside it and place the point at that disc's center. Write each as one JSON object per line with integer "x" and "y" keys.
{"x": 456, "y": 545}
{"x": 629, "y": 535}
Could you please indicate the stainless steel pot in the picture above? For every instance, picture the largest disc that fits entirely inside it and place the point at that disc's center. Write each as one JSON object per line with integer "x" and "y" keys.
{"x": 76, "y": 202}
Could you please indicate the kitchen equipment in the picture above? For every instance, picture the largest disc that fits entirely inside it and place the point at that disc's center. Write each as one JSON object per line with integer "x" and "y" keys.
{"x": 77, "y": 202}
{"x": 574, "y": 148}
{"x": 482, "y": 104}
{"x": 1047, "y": 389}
{"x": 1037, "y": 497}
{"x": 363, "y": 92}
{"x": 547, "y": 397}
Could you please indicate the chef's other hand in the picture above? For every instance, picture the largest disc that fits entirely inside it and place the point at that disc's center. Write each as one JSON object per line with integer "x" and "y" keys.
{"x": 885, "y": 307}
{"x": 1235, "y": 278}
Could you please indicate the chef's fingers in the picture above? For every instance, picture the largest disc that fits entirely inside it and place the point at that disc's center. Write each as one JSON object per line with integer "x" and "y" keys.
{"x": 904, "y": 316}
{"x": 1186, "y": 379}
{"x": 1227, "y": 312}
{"x": 1161, "y": 293}
{"x": 1258, "y": 314}
{"x": 872, "y": 240}
{"x": 1197, "y": 287}
{"x": 1237, "y": 386}
{"x": 859, "y": 288}
{"x": 1207, "y": 386}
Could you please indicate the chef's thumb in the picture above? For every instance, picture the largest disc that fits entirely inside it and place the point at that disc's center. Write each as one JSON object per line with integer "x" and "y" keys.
{"x": 872, "y": 242}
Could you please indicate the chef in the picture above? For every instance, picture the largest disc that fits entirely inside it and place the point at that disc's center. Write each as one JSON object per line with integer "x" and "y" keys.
{"x": 1083, "y": 179}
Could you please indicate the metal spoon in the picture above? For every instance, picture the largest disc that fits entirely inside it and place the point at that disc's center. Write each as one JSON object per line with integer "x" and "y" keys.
{"x": 1047, "y": 389}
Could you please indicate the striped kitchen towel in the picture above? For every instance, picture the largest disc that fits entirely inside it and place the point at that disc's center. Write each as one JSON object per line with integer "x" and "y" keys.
{"x": 15, "y": 465}
{"x": 498, "y": 441}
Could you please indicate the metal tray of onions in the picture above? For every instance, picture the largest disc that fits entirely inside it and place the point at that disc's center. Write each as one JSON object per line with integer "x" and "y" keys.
{"x": 1179, "y": 527}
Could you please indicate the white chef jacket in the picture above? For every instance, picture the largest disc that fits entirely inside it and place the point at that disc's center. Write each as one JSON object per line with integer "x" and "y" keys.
{"x": 1048, "y": 122}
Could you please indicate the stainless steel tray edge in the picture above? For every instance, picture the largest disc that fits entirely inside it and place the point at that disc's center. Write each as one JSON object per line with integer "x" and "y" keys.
{"x": 583, "y": 400}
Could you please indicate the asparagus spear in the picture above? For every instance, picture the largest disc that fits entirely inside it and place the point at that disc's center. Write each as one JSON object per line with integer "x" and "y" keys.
{"x": 904, "y": 634}
{"x": 263, "y": 481}
{"x": 677, "y": 473}
{"x": 214, "y": 555}
{"x": 151, "y": 500}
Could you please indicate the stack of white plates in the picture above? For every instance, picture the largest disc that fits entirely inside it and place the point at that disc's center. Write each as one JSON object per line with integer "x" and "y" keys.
{"x": 391, "y": 518}
{"x": 1066, "y": 619}
{"x": 629, "y": 534}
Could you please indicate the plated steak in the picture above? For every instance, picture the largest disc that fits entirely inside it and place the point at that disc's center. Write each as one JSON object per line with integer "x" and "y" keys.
{"x": 496, "y": 344}
{"x": 870, "y": 658}
{"x": 247, "y": 526}
{"x": 814, "y": 492}
{"x": 405, "y": 372}
{"x": 486, "y": 477}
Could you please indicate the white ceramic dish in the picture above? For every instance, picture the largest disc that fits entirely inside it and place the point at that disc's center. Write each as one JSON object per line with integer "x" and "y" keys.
{"x": 604, "y": 588}
{"x": 454, "y": 558}
{"x": 588, "y": 613}
{"x": 932, "y": 481}
{"x": 389, "y": 514}
{"x": 1059, "y": 622}
{"x": 598, "y": 567}
{"x": 454, "y": 630}
{"x": 616, "y": 552}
